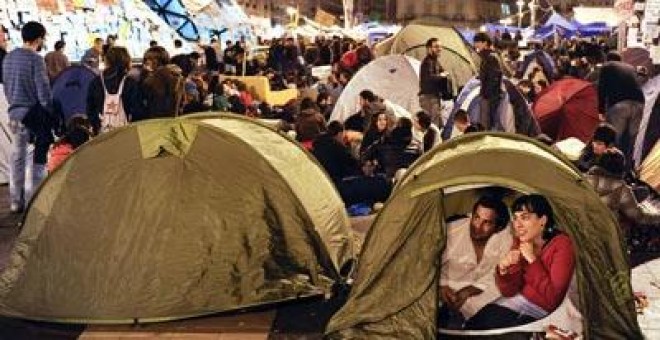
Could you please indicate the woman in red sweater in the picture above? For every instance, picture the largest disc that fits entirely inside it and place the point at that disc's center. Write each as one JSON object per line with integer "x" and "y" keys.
{"x": 534, "y": 276}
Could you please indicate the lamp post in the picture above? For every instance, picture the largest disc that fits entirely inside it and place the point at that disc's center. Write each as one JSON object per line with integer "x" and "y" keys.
{"x": 520, "y": 4}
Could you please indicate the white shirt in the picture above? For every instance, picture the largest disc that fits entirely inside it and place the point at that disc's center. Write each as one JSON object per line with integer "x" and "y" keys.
{"x": 460, "y": 267}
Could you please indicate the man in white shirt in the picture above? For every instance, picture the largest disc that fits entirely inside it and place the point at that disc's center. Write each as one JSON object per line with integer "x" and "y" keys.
{"x": 475, "y": 245}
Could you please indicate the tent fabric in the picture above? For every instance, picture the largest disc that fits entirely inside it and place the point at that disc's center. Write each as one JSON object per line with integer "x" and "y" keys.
{"x": 395, "y": 290}
{"x": 568, "y": 108}
{"x": 174, "y": 13}
{"x": 515, "y": 114}
{"x": 70, "y": 91}
{"x": 557, "y": 20}
{"x": 650, "y": 168}
{"x": 649, "y": 129}
{"x": 457, "y": 57}
{"x": 5, "y": 138}
{"x": 537, "y": 58}
{"x": 394, "y": 78}
{"x": 173, "y": 218}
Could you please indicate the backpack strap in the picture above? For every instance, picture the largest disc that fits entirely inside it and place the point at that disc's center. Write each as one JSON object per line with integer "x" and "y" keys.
{"x": 121, "y": 85}
{"x": 105, "y": 89}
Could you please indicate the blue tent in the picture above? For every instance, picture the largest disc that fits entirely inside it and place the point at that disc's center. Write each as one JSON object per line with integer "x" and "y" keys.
{"x": 556, "y": 20}
{"x": 70, "y": 91}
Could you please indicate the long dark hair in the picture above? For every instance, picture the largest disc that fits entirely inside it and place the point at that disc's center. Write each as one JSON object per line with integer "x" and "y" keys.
{"x": 540, "y": 206}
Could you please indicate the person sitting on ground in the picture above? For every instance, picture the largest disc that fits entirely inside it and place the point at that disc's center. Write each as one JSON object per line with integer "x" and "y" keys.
{"x": 396, "y": 152}
{"x": 77, "y": 134}
{"x": 607, "y": 178}
{"x": 535, "y": 274}
{"x": 360, "y": 120}
{"x": 467, "y": 278}
{"x": 461, "y": 123}
{"x": 309, "y": 124}
{"x": 474, "y": 127}
{"x": 603, "y": 138}
{"x": 382, "y": 123}
{"x": 431, "y": 133}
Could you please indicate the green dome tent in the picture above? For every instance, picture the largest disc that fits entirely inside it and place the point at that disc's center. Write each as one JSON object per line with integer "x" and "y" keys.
{"x": 174, "y": 218}
{"x": 457, "y": 57}
{"x": 395, "y": 290}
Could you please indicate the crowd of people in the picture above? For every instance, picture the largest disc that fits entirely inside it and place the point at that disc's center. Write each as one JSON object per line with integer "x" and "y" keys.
{"x": 365, "y": 154}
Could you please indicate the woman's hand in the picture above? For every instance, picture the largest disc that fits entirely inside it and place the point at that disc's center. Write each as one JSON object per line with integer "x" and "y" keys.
{"x": 510, "y": 259}
{"x": 527, "y": 251}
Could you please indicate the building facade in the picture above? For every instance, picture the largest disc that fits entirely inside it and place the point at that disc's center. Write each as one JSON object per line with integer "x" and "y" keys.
{"x": 454, "y": 12}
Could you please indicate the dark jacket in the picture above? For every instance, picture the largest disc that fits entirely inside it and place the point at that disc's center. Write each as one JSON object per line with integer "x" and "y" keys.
{"x": 3, "y": 53}
{"x": 431, "y": 80}
{"x": 490, "y": 75}
{"x": 162, "y": 91}
{"x": 619, "y": 197}
{"x": 309, "y": 125}
{"x": 617, "y": 82}
{"x": 335, "y": 158}
{"x": 130, "y": 98}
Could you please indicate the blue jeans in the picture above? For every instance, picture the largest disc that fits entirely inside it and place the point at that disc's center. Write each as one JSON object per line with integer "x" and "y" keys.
{"x": 25, "y": 175}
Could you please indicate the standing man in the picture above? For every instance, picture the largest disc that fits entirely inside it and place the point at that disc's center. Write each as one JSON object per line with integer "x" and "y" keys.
{"x": 490, "y": 75}
{"x": 433, "y": 82}
{"x": 475, "y": 245}
{"x": 621, "y": 99}
{"x": 56, "y": 61}
{"x": 28, "y": 93}
{"x": 92, "y": 58}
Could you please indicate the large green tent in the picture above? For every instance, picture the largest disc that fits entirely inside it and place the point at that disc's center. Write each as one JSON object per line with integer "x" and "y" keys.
{"x": 457, "y": 57}
{"x": 395, "y": 290}
{"x": 173, "y": 218}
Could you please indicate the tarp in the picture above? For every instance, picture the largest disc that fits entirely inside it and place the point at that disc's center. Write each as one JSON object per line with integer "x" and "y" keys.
{"x": 568, "y": 108}
{"x": 174, "y": 218}
{"x": 70, "y": 91}
{"x": 395, "y": 291}
{"x": 649, "y": 128}
{"x": 514, "y": 114}
{"x": 534, "y": 59}
{"x": 556, "y": 20}
{"x": 394, "y": 78}
{"x": 457, "y": 56}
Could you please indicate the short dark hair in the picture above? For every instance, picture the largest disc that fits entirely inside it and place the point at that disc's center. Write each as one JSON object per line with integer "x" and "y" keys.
{"x": 483, "y": 37}
{"x": 461, "y": 116}
{"x": 423, "y": 119}
{"x": 307, "y": 103}
{"x": 540, "y": 206}
{"x": 335, "y": 127}
{"x": 613, "y": 162}
{"x": 475, "y": 127}
{"x": 153, "y": 43}
{"x": 33, "y": 31}
{"x": 613, "y": 56}
{"x": 430, "y": 42}
{"x": 498, "y": 206}
{"x": 178, "y": 43}
{"x": 605, "y": 133}
{"x": 368, "y": 96}
{"x": 59, "y": 45}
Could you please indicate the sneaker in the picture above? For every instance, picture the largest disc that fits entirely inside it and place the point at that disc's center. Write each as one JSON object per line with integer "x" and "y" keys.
{"x": 15, "y": 208}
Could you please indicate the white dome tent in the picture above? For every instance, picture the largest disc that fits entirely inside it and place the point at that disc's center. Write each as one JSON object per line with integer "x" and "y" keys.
{"x": 393, "y": 77}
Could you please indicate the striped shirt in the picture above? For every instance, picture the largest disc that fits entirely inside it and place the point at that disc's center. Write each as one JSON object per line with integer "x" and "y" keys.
{"x": 26, "y": 82}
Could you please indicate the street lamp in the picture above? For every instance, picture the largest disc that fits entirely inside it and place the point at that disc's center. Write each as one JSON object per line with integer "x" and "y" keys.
{"x": 520, "y": 4}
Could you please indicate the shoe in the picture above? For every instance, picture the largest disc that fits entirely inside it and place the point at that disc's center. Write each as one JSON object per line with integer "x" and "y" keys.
{"x": 15, "y": 208}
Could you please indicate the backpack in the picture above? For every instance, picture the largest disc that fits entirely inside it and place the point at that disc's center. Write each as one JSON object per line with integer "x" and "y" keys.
{"x": 113, "y": 115}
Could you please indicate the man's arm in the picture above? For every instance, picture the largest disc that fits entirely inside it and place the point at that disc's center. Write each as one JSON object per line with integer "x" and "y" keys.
{"x": 42, "y": 84}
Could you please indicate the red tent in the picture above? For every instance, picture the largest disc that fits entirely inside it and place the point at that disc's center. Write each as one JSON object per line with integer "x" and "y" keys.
{"x": 568, "y": 108}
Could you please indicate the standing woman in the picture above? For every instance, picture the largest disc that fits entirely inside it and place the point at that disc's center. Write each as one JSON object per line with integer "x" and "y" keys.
{"x": 534, "y": 276}
{"x": 113, "y": 98}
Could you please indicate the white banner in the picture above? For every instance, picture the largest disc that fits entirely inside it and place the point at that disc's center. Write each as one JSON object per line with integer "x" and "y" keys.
{"x": 624, "y": 8}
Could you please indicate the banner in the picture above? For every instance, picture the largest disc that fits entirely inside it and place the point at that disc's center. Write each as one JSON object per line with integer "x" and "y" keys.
{"x": 48, "y": 5}
{"x": 324, "y": 18}
{"x": 348, "y": 13}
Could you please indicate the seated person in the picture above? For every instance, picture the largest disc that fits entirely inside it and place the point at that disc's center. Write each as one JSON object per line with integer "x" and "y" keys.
{"x": 535, "y": 274}
{"x": 607, "y": 177}
{"x": 430, "y": 132}
{"x": 467, "y": 279}
{"x": 603, "y": 139}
